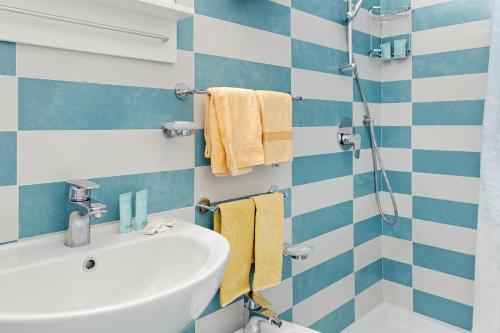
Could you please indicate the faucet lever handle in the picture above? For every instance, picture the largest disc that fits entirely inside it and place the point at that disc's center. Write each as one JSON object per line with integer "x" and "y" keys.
{"x": 80, "y": 189}
{"x": 84, "y": 184}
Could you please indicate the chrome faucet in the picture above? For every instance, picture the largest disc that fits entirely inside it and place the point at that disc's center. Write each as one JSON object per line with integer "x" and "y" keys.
{"x": 81, "y": 210}
{"x": 264, "y": 315}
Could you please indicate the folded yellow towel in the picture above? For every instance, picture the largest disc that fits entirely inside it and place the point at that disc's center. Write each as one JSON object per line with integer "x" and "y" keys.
{"x": 235, "y": 221}
{"x": 276, "y": 114}
{"x": 233, "y": 131}
{"x": 269, "y": 235}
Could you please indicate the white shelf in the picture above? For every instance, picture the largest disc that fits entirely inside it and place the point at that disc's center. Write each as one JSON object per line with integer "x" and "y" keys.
{"x": 141, "y": 29}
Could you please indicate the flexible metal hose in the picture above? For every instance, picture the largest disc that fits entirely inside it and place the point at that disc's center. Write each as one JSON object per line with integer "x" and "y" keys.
{"x": 376, "y": 157}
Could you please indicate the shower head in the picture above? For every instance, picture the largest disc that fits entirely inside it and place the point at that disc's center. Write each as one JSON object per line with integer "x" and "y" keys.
{"x": 353, "y": 9}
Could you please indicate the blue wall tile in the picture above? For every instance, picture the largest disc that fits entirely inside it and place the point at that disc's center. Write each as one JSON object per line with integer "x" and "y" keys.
{"x": 8, "y": 158}
{"x": 450, "y": 13}
{"x": 396, "y": 137}
{"x": 191, "y": 329}
{"x": 367, "y": 230}
{"x": 445, "y": 261}
{"x": 468, "y": 61}
{"x": 449, "y": 113}
{"x": 397, "y": 272}
{"x": 313, "y": 112}
{"x": 286, "y": 315}
{"x": 213, "y": 71}
{"x": 317, "y": 57}
{"x": 372, "y": 90}
{"x": 337, "y": 320}
{"x": 402, "y": 229}
{"x": 368, "y": 276}
{"x": 334, "y": 10}
{"x": 447, "y": 162}
{"x": 321, "y": 276}
{"x": 394, "y": 4}
{"x": 364, "y": 131}
{"x": 309, "y": 169}
{"x": 364, "y": 184}
{"x": 199, "y": 149}
{"x": 167, "y": 190}
{"x": 185, "y": 34}
{"x": 396, "y": 91}
{"x": 61, "y": 105}
{"x": 460, "y": 214}
{"x": 7, "y": 58}
{"x": 362, "y": 43}
{"x": 262, "y": 14}
{"x": 443, "y": 309}
{"x": 321, "y": 221}
{"x": 400, "y": 181}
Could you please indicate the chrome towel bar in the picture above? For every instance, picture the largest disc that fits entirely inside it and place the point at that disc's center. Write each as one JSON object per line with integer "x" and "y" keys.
{"x": 204, "y": 205}
{"x": 82, "y": 22}
{"x": 182, "y": 91}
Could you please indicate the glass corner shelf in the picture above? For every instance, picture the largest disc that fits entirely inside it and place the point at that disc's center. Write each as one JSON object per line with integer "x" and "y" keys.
{"x": 378, "y": 14}
{"x": 376, "y": 54}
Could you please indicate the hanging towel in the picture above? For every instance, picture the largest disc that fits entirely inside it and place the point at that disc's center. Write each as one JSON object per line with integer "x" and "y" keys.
{"x": 276, "y": 114}
{"x": 233, "y": 131}
{"x": 235, "y": 221}
{"x": 269, "y": 236}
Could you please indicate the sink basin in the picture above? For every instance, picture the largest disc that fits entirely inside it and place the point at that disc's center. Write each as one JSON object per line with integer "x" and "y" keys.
{"x": 120, "y": 283}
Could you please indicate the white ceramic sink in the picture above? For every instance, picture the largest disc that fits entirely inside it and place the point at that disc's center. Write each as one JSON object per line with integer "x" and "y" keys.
{"x": 146, "y": 284}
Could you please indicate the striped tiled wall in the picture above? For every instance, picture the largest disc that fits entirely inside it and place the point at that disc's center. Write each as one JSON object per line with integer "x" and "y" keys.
{"x": 68, "y": 115}
{"x": 75, "y": 115}
{"x": 431, "y": 143}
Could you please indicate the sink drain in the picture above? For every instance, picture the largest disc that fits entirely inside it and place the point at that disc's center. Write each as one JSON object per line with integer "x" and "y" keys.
{"x": 89, "y": 264}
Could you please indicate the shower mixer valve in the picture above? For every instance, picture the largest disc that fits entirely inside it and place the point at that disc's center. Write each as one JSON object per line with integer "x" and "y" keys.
{"x": 347, "y": 137}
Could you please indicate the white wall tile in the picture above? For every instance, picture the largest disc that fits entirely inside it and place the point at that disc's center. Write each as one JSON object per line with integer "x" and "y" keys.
{"x": 9, "y": 213}
{"x": 240, "y": 42}
{"x": 397, "y": 249}
{"x": 315, "y": 140}
{"x": 367, "y": 68}
{"x": 455, "y": 188}
{"x": 56, "y": 64}
{"x": 309, "y": 197}
{"x": 367, "y": 253}
{"x": 396, "y": 114}
{"x": 317, "y": 30}
{"x": 397, "y": 159}
{"x": 323, "y": 302}
{"x": 445, "y": 236}
{"x": 396, "y": 70}
{"x": 358, "y": 113}
{"x": 100, "y": 154}
{"x": 444, "y": 39}
{"x": 368, "y": 299}
{"x": 404, "y": 203}
{"x": 444, "y": 285}
{"x": 450, "y": 88}
{"x": 281, "y": 296}
{"x": 397, "y": 294}
{"x": 8, "y": 103}
{"x": 326, "y": 247}
{"x": 226, "y": 320}
{"x": 317, "y": 85}
{"x": 225, "y": 188}
{"x": 450, "y": 138}
{"x": 364, "y": 163}
{"x": 365, "y": 207}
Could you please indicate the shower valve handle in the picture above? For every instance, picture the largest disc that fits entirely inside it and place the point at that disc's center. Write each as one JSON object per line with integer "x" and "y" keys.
{"x": 347, "y": 137}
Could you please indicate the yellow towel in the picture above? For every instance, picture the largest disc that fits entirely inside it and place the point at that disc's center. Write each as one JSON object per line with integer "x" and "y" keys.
{"x": 233, "y": 131}
{"x": 276, "y": 114}
{"x": 235, "y": 221}
{"x": 269, "y": 235}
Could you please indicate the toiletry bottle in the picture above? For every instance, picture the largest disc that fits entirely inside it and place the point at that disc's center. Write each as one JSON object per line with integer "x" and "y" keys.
{"x": 125, "y": 212}
{"x": 141, "y": 209}
{"x": 385, "y": 50}
{"x": 400, "y": 48}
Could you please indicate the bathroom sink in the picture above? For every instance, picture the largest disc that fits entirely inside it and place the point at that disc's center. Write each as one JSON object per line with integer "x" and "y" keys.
{"x": 127, "y": 284}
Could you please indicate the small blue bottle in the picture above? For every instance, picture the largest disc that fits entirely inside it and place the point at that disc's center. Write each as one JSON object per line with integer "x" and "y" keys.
{"x": 141, "y": 209}
{"x": 125, "y": 213}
